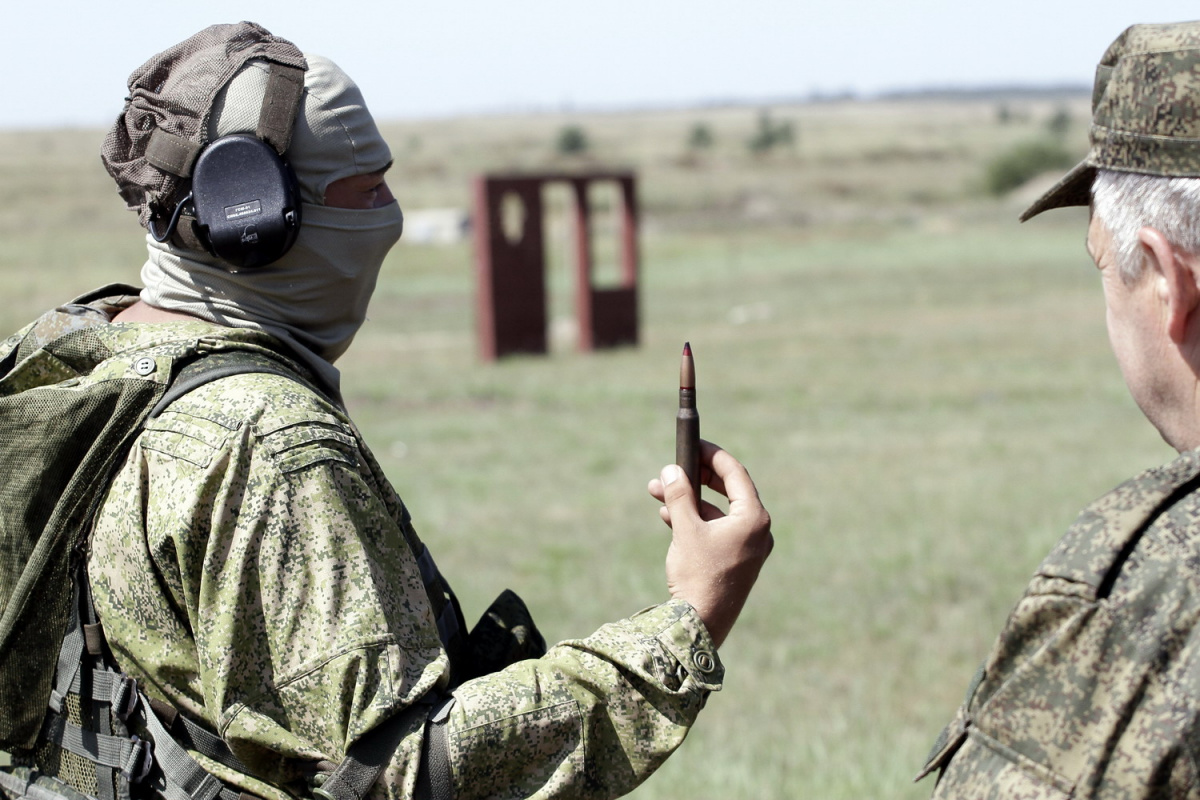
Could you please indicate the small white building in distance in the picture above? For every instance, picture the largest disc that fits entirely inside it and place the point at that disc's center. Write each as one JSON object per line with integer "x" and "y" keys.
{"x": 436, "y": 226}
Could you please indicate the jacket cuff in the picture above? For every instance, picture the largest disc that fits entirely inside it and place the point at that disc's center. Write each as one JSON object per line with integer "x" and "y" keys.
{"x": 677, "y": 627}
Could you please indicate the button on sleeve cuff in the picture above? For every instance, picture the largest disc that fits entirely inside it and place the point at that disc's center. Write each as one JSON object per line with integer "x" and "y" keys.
{"x": 677, "y": 626}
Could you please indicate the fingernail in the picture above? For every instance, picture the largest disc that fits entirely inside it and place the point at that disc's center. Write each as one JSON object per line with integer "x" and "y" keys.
{"x": 670, "y": 474}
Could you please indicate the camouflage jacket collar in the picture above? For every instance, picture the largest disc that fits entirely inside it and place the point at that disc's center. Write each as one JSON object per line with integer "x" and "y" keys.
{"x": 1105, "y": 532}
{"x": 93, "y": 313}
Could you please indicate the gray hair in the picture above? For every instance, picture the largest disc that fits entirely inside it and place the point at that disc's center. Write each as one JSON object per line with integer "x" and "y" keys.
{"x": 1125, "y": 202}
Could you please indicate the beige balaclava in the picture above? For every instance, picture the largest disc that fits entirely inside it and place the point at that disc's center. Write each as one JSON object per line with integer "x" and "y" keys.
{"x": 315, "y": 297}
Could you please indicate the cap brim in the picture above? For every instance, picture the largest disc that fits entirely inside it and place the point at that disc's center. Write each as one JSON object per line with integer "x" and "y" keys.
{"x": 1075, "y": 189}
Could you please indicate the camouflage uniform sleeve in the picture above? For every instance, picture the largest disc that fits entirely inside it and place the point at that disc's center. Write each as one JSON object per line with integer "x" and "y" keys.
{"x": 593, "y": 718}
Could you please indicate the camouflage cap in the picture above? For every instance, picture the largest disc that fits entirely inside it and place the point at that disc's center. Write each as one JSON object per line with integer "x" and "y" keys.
{"x": 1145, "y": 112}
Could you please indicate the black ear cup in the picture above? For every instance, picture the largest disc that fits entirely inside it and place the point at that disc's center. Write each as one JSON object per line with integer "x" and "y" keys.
{"x": 246, "y": 201}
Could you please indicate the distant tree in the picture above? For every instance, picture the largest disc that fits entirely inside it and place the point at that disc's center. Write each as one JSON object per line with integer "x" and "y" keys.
{"x": 701, "y": 137}
{"x": 764, "y": 137}
{"x": 770, "y": 134}
{"x": 1004, "y": 114}
{"x": 572, "y": 141}
{"x": 1026, "y": 160}
{"x": 1060, "y": 122}
{"x": 785, "y": 134}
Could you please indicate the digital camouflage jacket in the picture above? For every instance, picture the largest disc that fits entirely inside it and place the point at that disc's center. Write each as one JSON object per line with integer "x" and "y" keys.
{"x": 253, "y": 569}
{"x": 1093, "y": 687}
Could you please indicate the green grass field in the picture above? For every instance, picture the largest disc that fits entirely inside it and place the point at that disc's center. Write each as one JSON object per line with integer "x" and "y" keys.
{"x": 921, "y": 387}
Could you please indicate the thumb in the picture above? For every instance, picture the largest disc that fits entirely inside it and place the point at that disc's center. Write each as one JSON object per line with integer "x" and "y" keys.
{"x": 678, "y": 496}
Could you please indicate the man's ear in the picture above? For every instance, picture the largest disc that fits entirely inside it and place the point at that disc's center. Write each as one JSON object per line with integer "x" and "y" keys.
{"x": 1176, "y": 281}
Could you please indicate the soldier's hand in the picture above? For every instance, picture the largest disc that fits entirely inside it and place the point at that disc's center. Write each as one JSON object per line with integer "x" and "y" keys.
{"x": 714, "y": 557}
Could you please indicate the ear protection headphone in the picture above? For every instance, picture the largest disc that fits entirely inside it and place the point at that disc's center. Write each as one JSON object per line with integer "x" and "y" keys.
{"x": 244, "y": 202}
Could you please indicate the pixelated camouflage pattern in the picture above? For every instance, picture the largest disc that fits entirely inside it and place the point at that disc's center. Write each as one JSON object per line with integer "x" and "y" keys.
{"x": 25, "y": 783}
{"x": 1093, "y": 687}
{"x": 253, "y": 569}
{"x": 1145, "y": 111}
{"x": 1146, "y": 102}
{"x": 606, "y": 711}
{"x": 70, "y": 412}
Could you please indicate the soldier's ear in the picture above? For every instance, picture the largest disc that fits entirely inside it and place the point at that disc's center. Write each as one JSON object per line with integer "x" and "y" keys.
{"x": 1176, "y": 283}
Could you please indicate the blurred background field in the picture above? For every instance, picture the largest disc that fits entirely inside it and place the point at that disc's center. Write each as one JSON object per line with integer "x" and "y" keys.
{"x": 921, "y": 387}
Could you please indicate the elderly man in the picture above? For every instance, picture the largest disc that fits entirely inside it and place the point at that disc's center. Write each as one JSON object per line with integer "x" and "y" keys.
{"x": 252, "y": 570}
{"x": 1093, "y": 687}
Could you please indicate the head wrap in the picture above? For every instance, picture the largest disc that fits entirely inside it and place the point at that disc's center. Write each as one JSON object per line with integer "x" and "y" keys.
{"x": 315, "y": 297}
{"x": 151, "y": 148}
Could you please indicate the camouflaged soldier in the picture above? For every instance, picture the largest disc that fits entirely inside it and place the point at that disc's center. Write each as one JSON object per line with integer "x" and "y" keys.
{"x": 252, "y": 567}
{"x": 1093, "y": 687}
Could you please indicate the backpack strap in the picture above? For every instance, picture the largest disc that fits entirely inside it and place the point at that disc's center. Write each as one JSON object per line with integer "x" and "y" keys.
{"x": 215, "y": 366}
{"x": 366, "y": 758}
{"x": 434, "y": 779}
{"x": 160, "y": 761}
{"x": 195, "y": 737}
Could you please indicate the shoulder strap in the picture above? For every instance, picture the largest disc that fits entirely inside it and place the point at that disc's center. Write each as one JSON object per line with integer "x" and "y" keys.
{"x": 366, "y": 758}
{"x": 434, "y": 779}
{"x": 214, "y": 366}
{"x": 113, "y": 711}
